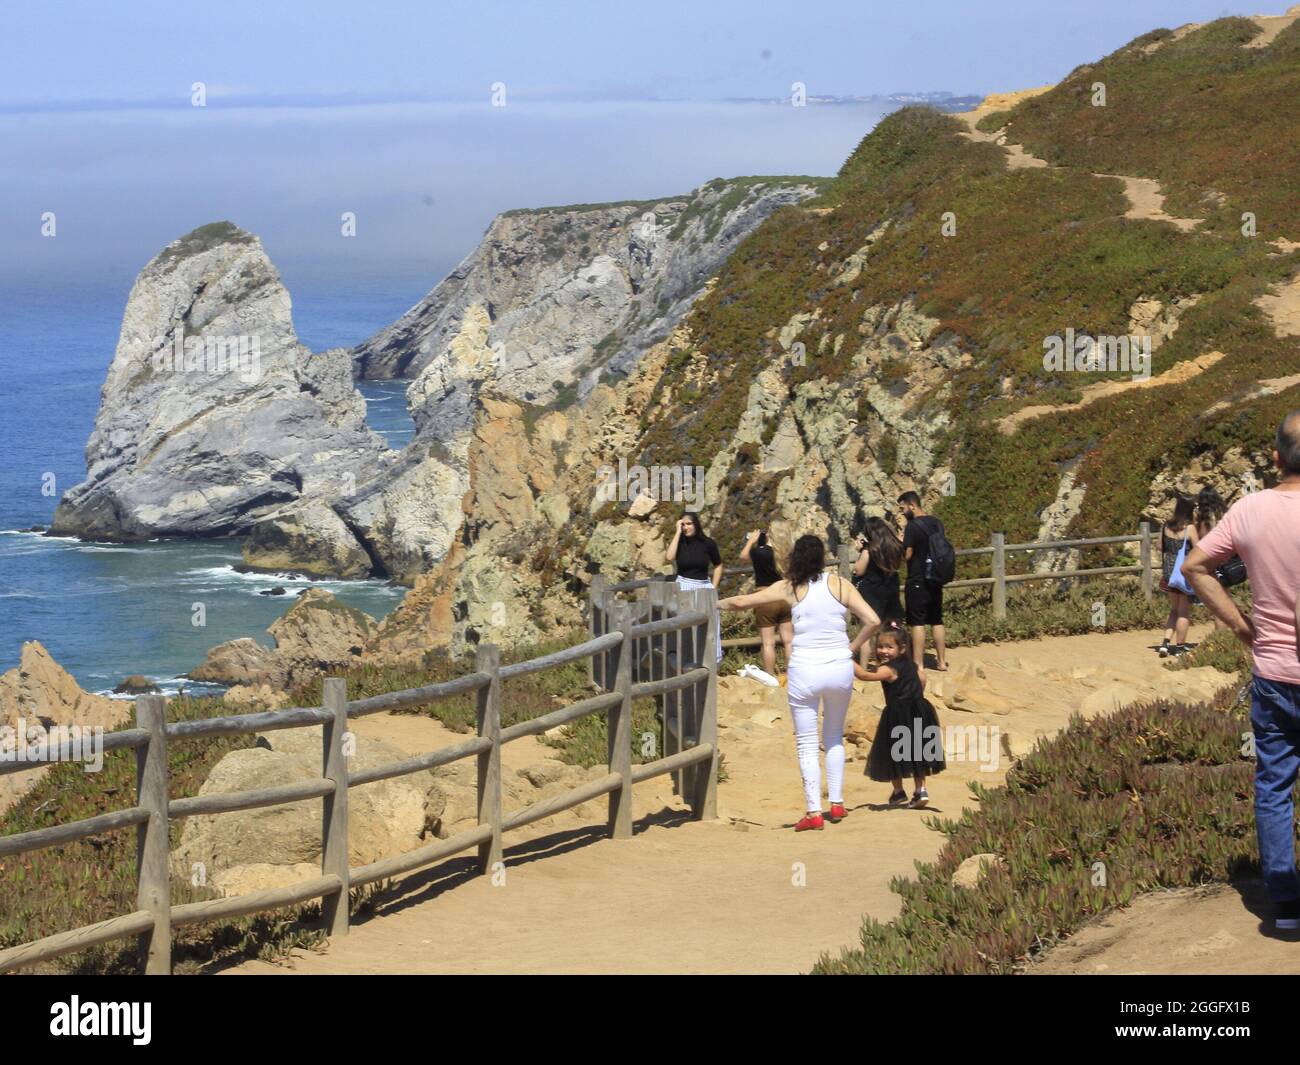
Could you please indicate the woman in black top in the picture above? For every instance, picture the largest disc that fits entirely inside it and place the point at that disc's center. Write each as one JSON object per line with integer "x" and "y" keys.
{"x": 774, "y": 617}
{"x": 698, "y": 562}
{"x": 880, "y": 557}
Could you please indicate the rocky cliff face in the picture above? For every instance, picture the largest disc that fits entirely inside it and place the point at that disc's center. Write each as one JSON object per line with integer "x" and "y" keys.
{"x": 553, "y": 296}
{"x": 549, "y": 301}
{"x": 213, "y": 415}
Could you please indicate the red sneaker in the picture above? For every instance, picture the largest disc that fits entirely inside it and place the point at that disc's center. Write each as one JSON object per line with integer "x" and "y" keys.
{"x": 837, "y": 814}
{"x": 810, "y": 821}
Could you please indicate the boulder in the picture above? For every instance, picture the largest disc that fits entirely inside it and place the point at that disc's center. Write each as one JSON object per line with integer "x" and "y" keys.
{"x": 972, "y": 870}
{"x": 136, "y": 685}
{"x": 384, "y": 818}
{"x": 308, "y": 537}
{"x": 316, "y": 634}
{"x": 39, "y": 690}
{"x": 241, "y": 661}
{"x": 39, "y": 694}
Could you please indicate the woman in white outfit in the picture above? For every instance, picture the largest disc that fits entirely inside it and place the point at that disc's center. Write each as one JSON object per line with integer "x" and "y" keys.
{"x": 821, "y": 665}
{"x": 698, "y": 562}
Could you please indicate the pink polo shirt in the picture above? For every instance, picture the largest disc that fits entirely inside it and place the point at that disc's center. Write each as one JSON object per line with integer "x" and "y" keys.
{"x": 1264, "y": 529}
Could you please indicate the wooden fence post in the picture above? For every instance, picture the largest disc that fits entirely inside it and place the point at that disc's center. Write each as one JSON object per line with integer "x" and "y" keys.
{"x": 999, "y": 575}
{"x": 1148, "y": 583}
{"x": 488, "y": 660}
{"x": 153, "y": 883}
{"x": 704, "y": 793}
{"x": 597, "y": 621}
{"x": 334, "y": 831}
{"x": 845, "y": 557}
{"x": 674, "y": 701}
{"x": 657, "y": 645}
{"x": 619, "y": 728}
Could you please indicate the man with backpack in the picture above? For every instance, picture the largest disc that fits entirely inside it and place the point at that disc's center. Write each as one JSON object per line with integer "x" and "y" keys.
{"x": 931, "y": 563}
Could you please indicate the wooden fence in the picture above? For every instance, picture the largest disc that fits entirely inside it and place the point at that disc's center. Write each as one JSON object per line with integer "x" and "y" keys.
{"x": 657, "y": 646}
{"x": 998, "y": 549}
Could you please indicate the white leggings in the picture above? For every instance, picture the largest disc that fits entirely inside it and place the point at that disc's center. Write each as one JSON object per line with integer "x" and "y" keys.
{"x": 831, "y": 685}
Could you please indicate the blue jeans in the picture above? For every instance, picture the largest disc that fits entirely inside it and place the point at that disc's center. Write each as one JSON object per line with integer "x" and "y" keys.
{"x": 1275, "y": 718}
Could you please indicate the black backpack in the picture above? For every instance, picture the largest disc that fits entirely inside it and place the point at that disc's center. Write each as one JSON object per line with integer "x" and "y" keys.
{"x": 940, "y": 558}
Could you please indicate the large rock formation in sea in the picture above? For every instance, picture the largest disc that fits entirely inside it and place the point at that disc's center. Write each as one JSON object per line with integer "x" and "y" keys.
{"x": 213, "y": 415}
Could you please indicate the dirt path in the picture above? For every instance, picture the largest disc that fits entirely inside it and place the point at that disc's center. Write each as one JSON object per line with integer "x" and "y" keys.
{"x": 1221, "y": 929}
{"x": 1177, "y": 374}
{"x": 1146, "y": 200}
{"x": 743, "y": 894}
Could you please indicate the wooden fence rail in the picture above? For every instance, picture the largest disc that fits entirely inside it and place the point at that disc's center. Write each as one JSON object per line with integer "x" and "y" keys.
{"x": 998, "y": 548}
{"x": 653, "y": 648}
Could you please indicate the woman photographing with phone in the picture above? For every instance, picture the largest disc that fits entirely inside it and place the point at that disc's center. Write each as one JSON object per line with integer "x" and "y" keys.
{"x": 774, "y": 618}
{"x": 697, "y": 560}
{"x": 880, "y": 557}
{"x": 820, "y": 668}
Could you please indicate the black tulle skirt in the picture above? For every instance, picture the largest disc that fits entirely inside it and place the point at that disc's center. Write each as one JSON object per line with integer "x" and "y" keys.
{"x": 917, "y": 750}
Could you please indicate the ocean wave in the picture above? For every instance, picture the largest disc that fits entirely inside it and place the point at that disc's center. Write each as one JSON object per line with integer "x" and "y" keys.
{"x": 228, "y": 574}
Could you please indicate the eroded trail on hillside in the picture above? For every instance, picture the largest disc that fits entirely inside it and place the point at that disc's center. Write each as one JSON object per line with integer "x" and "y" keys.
{"x": 743, "y": 894}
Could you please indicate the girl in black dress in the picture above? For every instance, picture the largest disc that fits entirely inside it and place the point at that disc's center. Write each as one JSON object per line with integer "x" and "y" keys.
{"x": 875, "y": 575}
{"x": 908, "y": 739}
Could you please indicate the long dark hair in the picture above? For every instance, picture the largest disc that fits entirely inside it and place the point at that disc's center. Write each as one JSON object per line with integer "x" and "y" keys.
{"x": 699, "y": 526}
{"x": 807, "y": 560}
{"x": 1209, "y": 510}
{"x": 1184, "y": 511}
{"x": 885, "y": 546}
{"x": 761, "y": 541}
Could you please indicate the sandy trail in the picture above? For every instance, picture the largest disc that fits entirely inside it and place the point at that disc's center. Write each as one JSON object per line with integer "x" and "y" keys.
{"x": 743, "y": 894}
{"x": 1177, "y": 374}
{"x": 1220, "y": 929}
{"x": 1282, "y": 305}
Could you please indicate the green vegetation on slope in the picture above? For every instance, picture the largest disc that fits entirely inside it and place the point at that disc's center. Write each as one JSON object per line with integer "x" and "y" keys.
{"x": 1212, "y": 120}
{"x": 1036, "y": 251}
{"x": 1149, "y": 797}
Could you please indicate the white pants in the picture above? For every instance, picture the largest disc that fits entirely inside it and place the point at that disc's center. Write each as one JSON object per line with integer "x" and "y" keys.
{"x": 807, "y": 685}
{"x": 687, "y": 584}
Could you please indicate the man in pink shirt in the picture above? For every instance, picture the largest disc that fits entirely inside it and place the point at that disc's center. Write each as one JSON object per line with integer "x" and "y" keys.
{"x": 1264, "y": 530}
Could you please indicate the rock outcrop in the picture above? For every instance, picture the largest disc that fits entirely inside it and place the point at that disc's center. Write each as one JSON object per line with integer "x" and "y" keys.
{"x": 38, "y": 694}
{"x": 552, "y": 296}
{"x": 315, "y": 634}
{"x": 270, "y": 847}
{"x": 213, "y": 415}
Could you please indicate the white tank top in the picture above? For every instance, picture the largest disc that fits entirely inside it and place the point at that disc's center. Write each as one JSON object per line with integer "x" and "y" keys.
{"x": 820, "y": 633}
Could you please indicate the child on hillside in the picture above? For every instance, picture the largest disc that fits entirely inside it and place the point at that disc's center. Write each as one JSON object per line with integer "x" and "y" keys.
{"x": 908, "y": 741}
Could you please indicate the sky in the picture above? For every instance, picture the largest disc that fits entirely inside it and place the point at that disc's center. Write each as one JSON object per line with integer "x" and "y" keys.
{"x": 384, "y": 110}
{"x": 82, "y": 51}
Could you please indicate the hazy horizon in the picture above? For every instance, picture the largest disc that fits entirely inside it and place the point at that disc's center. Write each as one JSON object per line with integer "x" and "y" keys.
{"x": 310, "y": 117}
